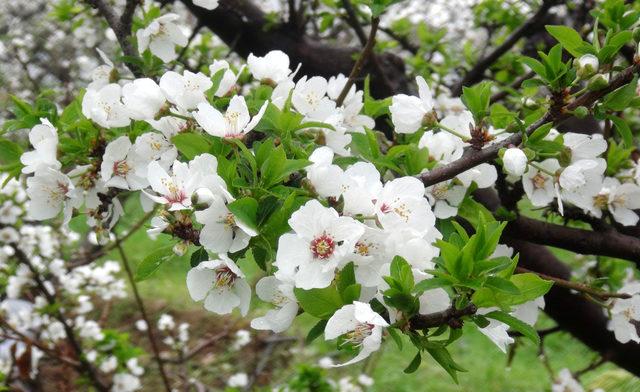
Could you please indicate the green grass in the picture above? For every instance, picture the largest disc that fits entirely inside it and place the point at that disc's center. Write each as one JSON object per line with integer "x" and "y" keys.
{"x": 488, "y": 368}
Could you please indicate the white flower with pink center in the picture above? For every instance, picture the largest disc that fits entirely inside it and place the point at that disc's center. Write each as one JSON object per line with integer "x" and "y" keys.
{"x": 321, "y": 242}
{"x": 360, "y": 326}
{"x": 401, "y": 204}
{"x": 221, "y": 284}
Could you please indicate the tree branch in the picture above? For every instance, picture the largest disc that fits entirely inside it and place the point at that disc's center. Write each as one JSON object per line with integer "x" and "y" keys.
{"x": 574, "y": 313}
{"x": 357, "y": 67}
{"x": 448, "y": 316}
{"x": 121, "y": 26}
{"x": 576, "y": 286}
{"x": 239, "y": 23}
{"x": 472, "y": 157}
{"x": 603, "y": 243}
{"x": 476, "y": 73}
{"x": 143, "y": 312}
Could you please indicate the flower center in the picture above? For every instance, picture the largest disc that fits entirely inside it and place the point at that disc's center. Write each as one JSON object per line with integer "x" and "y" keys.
{"x": 229, "y": 221}
{"x": 322, "y": 247}
{"x": 359, "y": 333}
{"x": 121, "y": 168}
{"x": 232, "y": 121}
{"x": 363, "y": 249}
{"x": 225, "y": 278}
{"x": 601, "y": 200}
{"x": 538, "y": 181}
{"x": 439, "y": 192}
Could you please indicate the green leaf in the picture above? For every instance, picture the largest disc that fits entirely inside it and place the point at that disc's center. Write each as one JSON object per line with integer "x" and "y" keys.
{"x": 540, "y": 133}
{"x": 396, "y": 337}
{"x": 321, "y": 303}
{"x": 620, "y": 98}
{"x": 246, "y": 211}
{"x": 414, "y": 364}
{"x": 346, "y": 277}
{"x": 501, "y": 284}
{"x": 613, "y": 45}
{"x": 402, "y": 273}
{"x": 520, "y": 326}
{"x": 430, "y": 284}
{"x": 623, "y": 130}
{"x": 191, "y": 144}
{"x": 152, "y": 262}
{"x": 10, "y": 153}
{"x": 570, "y": 40}
{"x": 198, "y": 256}
{"x": 444, "y": 359}
{"x": 316, "y": 331}
{"x": 530, "y": 287}
{"x": 477, "y": 98}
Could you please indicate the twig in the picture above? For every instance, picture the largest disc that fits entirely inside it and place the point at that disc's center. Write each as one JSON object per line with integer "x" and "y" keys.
{"x": 581, "y": 287}
{"x": 357, "y": 67}
{"x": 86, "y": 367}
{"x": 472, "y": 157}
{"x": 592, "y": 366}
{"x": 513, "y": 86}
{"x": 150, "y": 334}
{"x": 121, "y": 26}
{"x": 475, "y": 73}
{"x": 106, "y": 249}
{"x": 24, "y": 338}
{"x": 441, "y": 318}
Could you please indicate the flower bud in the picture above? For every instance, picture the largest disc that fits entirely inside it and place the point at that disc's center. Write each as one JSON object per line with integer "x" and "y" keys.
{"x": 202, "y": 198}
{"x": 180, "y": 249}
{"x": 636, "y": 34}
{"x": 598, "y": 82}
{"x": 430, "y": 119}
{"x": 514, "y": 161}
{"x": 581, "y": 112}
{"x": 587, "y": 66}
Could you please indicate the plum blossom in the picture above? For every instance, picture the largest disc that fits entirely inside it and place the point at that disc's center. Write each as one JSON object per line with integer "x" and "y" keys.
{"x": 272, "y": 68}
{"x": 320, "y": 243}
{"x": 221, "y": 284}
{"x": 625, "y": 314}
{"x": 360, "y": 326}
{"x": 235, "y": 123}
{"x": 222, "y": 231}
{"x": 309, "y": 98}
{"x": 143, "y": 99}
{"x": 48, "y": 192}
{"x": 206, "y": 4}
{"x": 409, "y": 113}
{"x": 401, "y": 204}
{"x": 104, "y": 106}
{"x": 619, "y": 199}
{"x": 186, "y": 90}
{"x": 280, "y": 293}
{"x": 514, "y": 161}
{"x": 229, "y": 78}
{"x": 176, "y": 189}
{"x": 121, "y": 166}
{"x": 445, "y": 197}
{"x": 44, "y": 139}
{"x": 538, "y": 184}
{"x": 161, "y": 37}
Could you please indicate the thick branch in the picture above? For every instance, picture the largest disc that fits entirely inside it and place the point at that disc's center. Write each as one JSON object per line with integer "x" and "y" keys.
{"x": 604, "y": 243}
{"x": 245, "y": 28}
{"x": 574, "y": 313}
